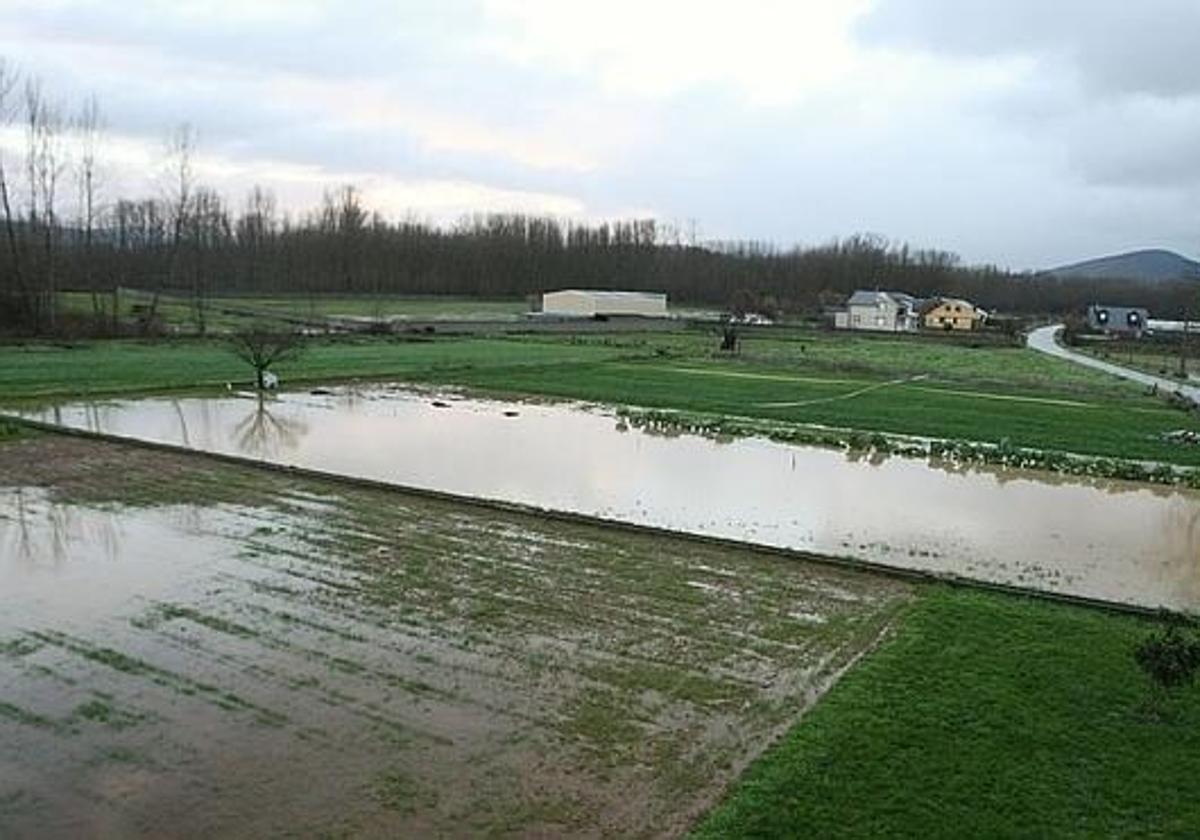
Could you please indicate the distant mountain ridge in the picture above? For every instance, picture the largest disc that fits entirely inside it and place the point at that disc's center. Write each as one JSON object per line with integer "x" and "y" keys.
{"x": 1152, "y": 265}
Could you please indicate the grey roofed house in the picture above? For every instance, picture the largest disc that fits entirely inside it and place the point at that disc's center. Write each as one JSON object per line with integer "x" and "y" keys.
{"x": 880, "y": 311}
{"x": 1118, "y": 320}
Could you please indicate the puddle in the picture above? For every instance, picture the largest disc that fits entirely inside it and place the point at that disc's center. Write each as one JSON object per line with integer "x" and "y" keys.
{"x": 1110, "y": 540}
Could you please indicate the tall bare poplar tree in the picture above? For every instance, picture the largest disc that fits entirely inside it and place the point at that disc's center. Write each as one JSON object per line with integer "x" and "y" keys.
{"x": 46, "y": 156}
{"x": 88, "y": 129}
{"x": 181, "y": 181}
{"x": 20, "y": 294}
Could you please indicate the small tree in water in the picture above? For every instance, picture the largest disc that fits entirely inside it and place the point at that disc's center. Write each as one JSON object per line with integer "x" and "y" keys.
{"x": 262, "y": 346}
{"x": 1170, "y": 658}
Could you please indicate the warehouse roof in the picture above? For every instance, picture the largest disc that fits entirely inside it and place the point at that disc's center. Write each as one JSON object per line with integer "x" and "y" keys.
{"x": 604, "y": 293}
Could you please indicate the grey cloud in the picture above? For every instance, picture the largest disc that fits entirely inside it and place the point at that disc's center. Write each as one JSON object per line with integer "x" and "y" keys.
{"x": 1090, "y": 151}
{"x": 1140, "y": 144}
{"x": 1115, "y": 46}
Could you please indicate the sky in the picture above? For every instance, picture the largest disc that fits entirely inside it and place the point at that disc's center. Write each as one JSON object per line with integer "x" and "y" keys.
{"x": 1021, "y": 133}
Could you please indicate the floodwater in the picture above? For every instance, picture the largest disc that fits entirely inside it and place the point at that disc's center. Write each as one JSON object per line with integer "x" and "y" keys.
{"x": 331, "y": 661}
{"x": 1110, "y": 540}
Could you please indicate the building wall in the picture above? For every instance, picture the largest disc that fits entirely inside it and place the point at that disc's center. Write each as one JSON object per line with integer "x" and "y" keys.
{"x": 1118, "y": 319}
{"x": 883, "y": 317}
{"x": 568, "y": 303}
{"x": 585, "y": 304}
{"x": 952, "y": 316}
{"x": 648, "y": 306}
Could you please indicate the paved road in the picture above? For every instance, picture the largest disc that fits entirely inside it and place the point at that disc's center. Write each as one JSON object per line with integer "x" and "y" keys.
{"x": 1045, "y": 340}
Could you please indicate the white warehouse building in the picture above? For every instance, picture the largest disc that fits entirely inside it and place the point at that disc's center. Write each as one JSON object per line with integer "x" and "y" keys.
{"x": 589, "y": 303}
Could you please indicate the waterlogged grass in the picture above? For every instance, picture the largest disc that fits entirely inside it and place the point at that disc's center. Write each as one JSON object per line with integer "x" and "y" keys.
{"x": 424, "y": 665}
{"x": 983, "y": 716}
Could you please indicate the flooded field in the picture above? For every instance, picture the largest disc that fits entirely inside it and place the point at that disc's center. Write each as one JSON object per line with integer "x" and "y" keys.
{"x": 1102, "y": 539}
{"x": 190, "y": 648}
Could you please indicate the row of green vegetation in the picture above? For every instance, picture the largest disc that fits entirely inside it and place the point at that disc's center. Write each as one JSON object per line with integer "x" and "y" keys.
{"x": 985, "y": 716}
{"x": 878, "y": 444}
{"x": 1002, "y": 396}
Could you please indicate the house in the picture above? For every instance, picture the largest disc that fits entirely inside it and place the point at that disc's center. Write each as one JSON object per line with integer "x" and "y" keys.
{"x": 952, "y": 314}
{"x": 880, "y": 311}
{"x": 590, "y": 303}
{"x": 1118, "y": 320}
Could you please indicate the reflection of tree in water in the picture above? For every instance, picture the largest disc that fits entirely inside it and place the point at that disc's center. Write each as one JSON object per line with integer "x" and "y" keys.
{"x": 35, "y": 534}
{"x": 262, "y": 433}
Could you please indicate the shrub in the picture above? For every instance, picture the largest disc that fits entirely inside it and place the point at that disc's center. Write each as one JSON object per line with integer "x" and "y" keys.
{"x": 1170, "y": 658}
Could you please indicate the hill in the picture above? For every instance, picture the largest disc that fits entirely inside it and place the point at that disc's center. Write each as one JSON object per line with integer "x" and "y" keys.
{"x": 1148, "y": 266}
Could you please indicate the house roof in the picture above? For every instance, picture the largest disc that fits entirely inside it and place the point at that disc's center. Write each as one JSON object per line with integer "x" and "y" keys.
{"x": 863, "y": 297}
{"x": 966, "y": 304}
{"x": 605, "y": 294}
{"x": 1092, "y": 306}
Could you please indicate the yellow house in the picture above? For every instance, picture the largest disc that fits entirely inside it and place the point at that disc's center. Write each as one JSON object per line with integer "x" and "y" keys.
{"x": 953, "y": 314}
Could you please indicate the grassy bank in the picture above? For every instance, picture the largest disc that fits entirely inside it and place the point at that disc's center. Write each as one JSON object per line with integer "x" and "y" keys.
{"x": 984, "y": 716}
{"x": 993, "y": 394}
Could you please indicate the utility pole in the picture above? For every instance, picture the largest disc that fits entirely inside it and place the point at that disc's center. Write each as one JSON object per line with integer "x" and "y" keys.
{"x": 1183, "y": 340}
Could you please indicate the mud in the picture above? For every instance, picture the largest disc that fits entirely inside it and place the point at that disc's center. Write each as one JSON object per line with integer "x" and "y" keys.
{"x": 190, "y": 648}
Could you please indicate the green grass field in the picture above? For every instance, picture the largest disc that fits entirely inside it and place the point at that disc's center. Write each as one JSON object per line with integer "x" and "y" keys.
{"x": 226, "y": 313}
{"x": 385, "y": 306}
{"x": 1155, "y": 357}
{"x": 114, "y": 367}
{"x": 984, "y": 716}
{"x": 913, "y": 386}
{"x": 178, "y": 313}
{"x": 175, "y": 314}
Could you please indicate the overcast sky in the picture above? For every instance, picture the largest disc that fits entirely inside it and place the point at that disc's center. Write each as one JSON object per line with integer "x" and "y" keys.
{"x": 1021, "y": 132}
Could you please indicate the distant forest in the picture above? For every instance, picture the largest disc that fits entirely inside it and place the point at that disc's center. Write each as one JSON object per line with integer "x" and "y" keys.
{"x": 63, "y": 232}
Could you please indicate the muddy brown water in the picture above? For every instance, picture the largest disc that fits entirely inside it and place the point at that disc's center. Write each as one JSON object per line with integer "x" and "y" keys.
{"x": 325, "y": 660}
{"x": 1116, "y": 541}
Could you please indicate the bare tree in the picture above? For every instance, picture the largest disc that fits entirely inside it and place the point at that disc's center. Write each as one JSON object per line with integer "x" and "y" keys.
{"x": 256, "y": 225}
{"x": 263, "y": 345}
{"x": 208, "y": 231}
{"x": 181, "y": 177}
{"x": 23, "y": 303}
{"x": 89, "y": 126}
{"x": 45, "y": 161}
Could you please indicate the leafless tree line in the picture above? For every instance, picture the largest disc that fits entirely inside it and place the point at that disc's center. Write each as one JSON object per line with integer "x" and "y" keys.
{"x": 60, "y": 151}
{"x": 63, "y": 231}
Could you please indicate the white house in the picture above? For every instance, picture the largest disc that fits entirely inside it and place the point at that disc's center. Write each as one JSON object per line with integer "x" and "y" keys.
{"x": 589, "y": 303}
{"x": 881, "y": 311}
